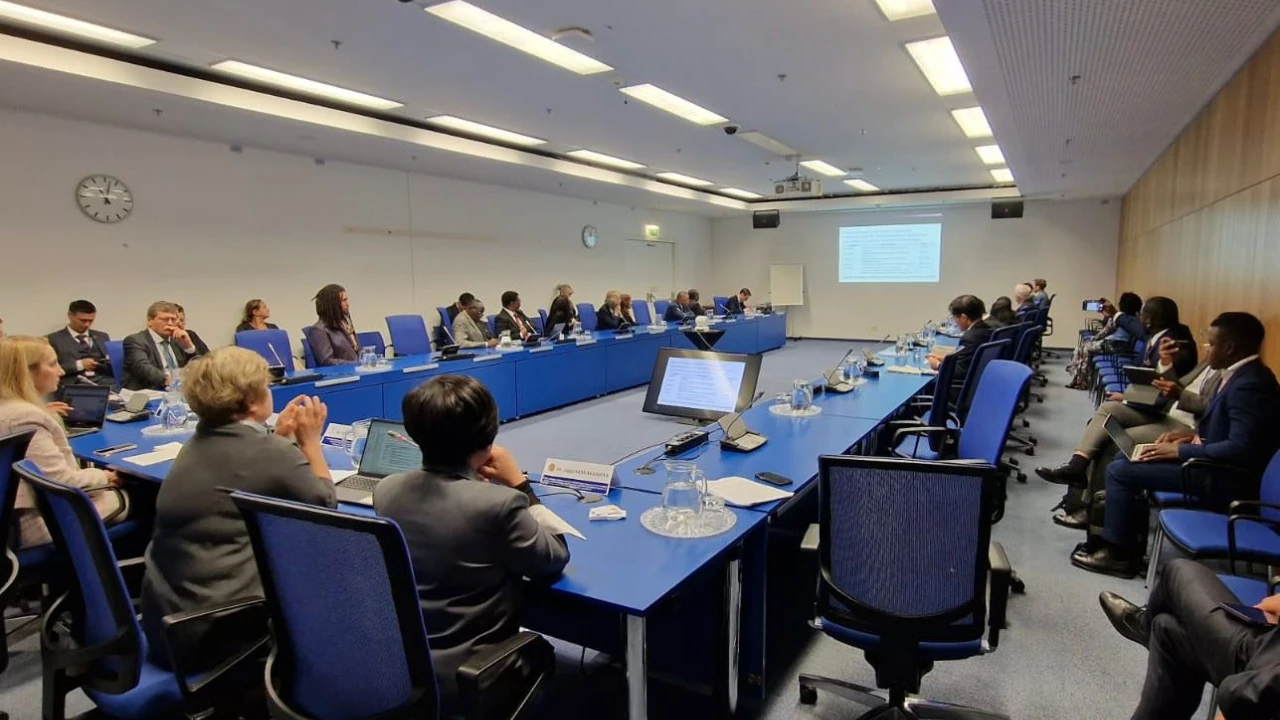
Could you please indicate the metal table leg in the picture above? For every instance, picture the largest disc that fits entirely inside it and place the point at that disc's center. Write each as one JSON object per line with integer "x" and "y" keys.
{"x": 637, "y": 670}
{"x": 727, "y": 664}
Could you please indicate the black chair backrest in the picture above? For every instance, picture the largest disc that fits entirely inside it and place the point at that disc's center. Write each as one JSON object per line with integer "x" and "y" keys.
{"x": 1010, "y": 333}
{"x": 13, "y": 447}
{"x": 939, "y": 408}
{"x": 985, "y": 353}
{"x": 904, "y": 548}
{"x": 350, "y": 641}
{"x": 1027, "y": 343}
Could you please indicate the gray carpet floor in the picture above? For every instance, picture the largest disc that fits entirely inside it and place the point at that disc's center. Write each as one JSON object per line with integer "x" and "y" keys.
{"x": 1058, "y": 659}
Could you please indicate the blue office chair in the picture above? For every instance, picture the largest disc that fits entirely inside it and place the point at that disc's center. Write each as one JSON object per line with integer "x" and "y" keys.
{"x": 660, "y": 310}
{"x": 409, "y": 333}
{"x": 90, "y": 638}
{"x": 444, "y": 320}
{"x": 308, "y": 357}
{"x": 721, "y": 304}
{"x": 985, "y": 429}
{"x": 115, "y": 353}
{"x": 1010, "y": 333}
{"x": 982, "y": 356}
{"x": 29, "y": 561}
{"x": 587, "y": 316}
{"x": 905, "y": 555}
{"x": 937, "y": 414}
{"x": 640, "y": 309}
{"x": 539, "y": 322}
{"x": 272, "y": 345}
{"x": 372, "y": 340}
{"x": 542, "y": 315}
{"x": 493, "y": 325}
{"x": 350, "y": 642}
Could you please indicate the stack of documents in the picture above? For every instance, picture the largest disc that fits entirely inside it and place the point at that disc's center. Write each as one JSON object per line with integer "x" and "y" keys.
{"x": 158, "y": 454}
{"x": 745, "y": 493}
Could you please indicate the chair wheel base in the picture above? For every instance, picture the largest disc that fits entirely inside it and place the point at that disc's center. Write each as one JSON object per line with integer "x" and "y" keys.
{"x": 808, "y": 696}
{"x": 1022, "y": 477}
{"x": 1029, "y": 451}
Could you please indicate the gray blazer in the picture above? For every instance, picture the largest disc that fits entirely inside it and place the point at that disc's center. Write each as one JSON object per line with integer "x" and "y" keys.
{"x": 471, "y": 542}
{"x": 69, "y": 353}
{"x": 468, "y": 333}
{"x": 331, "y": 347}
{"x": 1189, "y": 401}
{"x": 200, "y": 553}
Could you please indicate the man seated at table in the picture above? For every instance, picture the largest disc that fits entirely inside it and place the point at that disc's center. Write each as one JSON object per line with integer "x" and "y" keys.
{"x": 81, "y": 350}
{"x": 457, "y": 308}
{"x": 201, "y": 347}
{"x": 1240, "y": 427}
{"x": 1038, "y": 295}
{"x": 737, "y": 304}
{"x": 153, "y": 355}
{"x": 470, "y": 521}
{"x": 511, "y": 319}
{"x": 1023, "y": 305}
{"x": 679, "y": 311}
{"x": 968, "y": 312}
{"x": 470, "y": 329}
{"x": 695, "y": 303}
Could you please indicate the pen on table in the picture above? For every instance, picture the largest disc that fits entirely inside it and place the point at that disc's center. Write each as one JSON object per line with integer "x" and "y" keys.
{"x": 397, "y": 436}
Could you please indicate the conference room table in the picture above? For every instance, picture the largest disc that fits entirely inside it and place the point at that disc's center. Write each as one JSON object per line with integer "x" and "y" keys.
{"x": 522, "y": 380}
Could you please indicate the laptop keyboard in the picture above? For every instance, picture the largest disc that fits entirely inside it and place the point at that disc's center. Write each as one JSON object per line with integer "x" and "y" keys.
{"x": 359, "y": 482}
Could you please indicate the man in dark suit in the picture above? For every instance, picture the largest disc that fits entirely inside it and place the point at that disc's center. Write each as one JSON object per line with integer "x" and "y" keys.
{"x": 1240, "y": 426}
{"x": 737, "y": 304}
{"x": 201, "y": 348}
{"x": 463, "y": 301}
{"x": 678, "y": 311}
{"x": 967, "y": 311}
{"x": 81, "y": 350}
{"x": 152, "y": 355}
{"x": 511, "y": 319}
{"x": 1023, "y": 305}
{"x": 1190, "y": 640}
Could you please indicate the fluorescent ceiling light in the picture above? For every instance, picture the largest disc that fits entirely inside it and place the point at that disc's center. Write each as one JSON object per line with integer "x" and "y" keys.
{"x": 508, "y": 33}
{"x": 674, "y": 104}
{"x": 903, "y": 9}
{"x": 759, "y": 139}
{"x": 493, "y": 133}
{"x": 825, "y": 168}
{"x": 862, "y": 185}
{"x": 602, "y": 159}
{"x": 684, "y": 179}
{"x": 1002, "y": 175}
{"x": 940, "y": 64}
{"x": 973, "y": 121}
{"x": 71, "y": 26}
{"x": 744, "y": 194}
{"x": 303, "y": 85}
{"x": 990, "y": 154}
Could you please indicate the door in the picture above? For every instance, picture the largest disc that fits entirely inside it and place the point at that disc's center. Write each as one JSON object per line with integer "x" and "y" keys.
{"x": 650, "y": 269}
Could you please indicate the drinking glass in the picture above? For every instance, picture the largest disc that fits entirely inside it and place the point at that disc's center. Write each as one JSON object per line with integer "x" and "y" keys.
{"x": 682, "y": 495}
{"x": 174, "y": 411}
{"x": 782, "y": 400}
{"x": 801, "y": 396}
{"x": 369, "y": 358}
{"x": 356, "y": 438}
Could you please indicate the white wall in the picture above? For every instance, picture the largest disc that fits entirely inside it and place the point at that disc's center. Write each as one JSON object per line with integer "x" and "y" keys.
{"x": 1071, "y": 244}
{"x": 212, "y": 229}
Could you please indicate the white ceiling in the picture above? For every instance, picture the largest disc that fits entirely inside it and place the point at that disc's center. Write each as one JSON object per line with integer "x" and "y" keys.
{"x": 1147, "y": 66}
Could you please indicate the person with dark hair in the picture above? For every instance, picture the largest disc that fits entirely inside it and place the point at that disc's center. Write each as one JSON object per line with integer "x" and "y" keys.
{"x": 453, "y": 310}
{"x": 333, "y": 336}
{"x": 470, "y": 329}
{"x": 471, "y": 522}
{"x": 678, "y": 311}
{"x": 201, "y": 347}
{"x": 695, "y": 303}
{"x": 1190, "y": 640}
{"x": 512, "y": 320}
{"x": 737, "y": 304}
{"x": 564, "y": 299}
{"x": 1038, "y": 295}
{"x": 256, "y": 314}
{"x": 1240, "y": 427}
{"x": 968, "y": 311}
{"x": 560, "y": 312}
{"x": 1001, "y": 314}
{"x": 81, "y": 350}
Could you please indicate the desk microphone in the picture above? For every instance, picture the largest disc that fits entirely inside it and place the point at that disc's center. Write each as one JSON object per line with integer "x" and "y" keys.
{"x": 737, "y": 437}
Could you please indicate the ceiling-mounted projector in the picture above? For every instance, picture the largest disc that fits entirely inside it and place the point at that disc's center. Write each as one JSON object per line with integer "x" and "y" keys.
{"x": 797, "y": 185}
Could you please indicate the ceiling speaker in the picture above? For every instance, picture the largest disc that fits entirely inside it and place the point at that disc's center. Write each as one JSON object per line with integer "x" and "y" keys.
{"x": 1001, "y": 209}
{"x": 765, "y": 219}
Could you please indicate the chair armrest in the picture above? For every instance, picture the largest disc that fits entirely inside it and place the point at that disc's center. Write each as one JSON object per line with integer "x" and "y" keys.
{"x": 123, "y": 500}
{"x": 998, "y": 584}
{"x": 1206, "y": 465}
{"x": 1231, "y": 526}
{"x": 481, "y": 691}
{"x": 810, "y": 541}
{"x": 232, "y": 633}
{"x": 924, "y": 430}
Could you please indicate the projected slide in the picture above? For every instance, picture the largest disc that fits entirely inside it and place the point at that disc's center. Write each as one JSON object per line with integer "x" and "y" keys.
{"x": 890, "y": 253}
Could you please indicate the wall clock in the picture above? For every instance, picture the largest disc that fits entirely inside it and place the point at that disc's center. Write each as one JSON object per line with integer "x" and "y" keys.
{"x": 104, "y": 198}
{"x": 589, "y": 236}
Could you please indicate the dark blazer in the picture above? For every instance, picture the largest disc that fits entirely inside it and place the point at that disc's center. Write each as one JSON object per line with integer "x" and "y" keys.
{"x": 200, "y": 553}
{"x": 1241, "y": 421}
{"x": 1188, "y": 356}
{"x": 505, "y": 321}
{"x": 978, "y": 334}
{"x": 676, "y": 313}
{"x": 331, "y": 347}
{"x": 472, "y": 543}
{"x": 143, "y": 366}
{"x": 69, "y": 352}
{"x": 606, "y": 320}
{"x": 697, "y": 309}
{"x": 733, "y": 306}
{"x": 201, "y": 347}
{"x": 246, "y": 327}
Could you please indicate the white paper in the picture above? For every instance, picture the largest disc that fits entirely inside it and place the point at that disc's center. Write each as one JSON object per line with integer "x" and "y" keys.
{"x": 150, "y": 394}
{"x": 909, "y": 370}
{"x": 159, "y": 454}
{"x": 607, "y": 512}
{"x": 335, "y": 435}
{"x": 553, "y": 522}
{"x": 745, "y": 493}
{"x": 340, "y": 475}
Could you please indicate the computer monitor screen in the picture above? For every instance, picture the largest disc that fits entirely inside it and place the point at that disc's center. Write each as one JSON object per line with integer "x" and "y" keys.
{"x": 88, "y": 404}
{"x": 389, "y": 450}
{"x": 701, "y": 385}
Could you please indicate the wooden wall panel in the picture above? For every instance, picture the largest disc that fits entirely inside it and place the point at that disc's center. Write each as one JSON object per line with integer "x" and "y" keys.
{"x": 1202, "y": 225}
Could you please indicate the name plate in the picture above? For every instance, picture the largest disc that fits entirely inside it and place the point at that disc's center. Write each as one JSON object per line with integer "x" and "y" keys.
{"x": 542, "y": 348}
{"x": 486, "y": 358}
{"x": 581, "y": 476}
{"x": 624, "y": 336}
{"x": 657, "y": 329}
{"x": 584, "y": 341}
{"x": 338, "y": 381}
{"x": 420, "y": 368}
{"x": 335, "y": 435}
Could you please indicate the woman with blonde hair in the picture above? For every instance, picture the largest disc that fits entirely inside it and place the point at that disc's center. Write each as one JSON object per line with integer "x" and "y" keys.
{"x": 29, "y": 371}
{"x": 609, "y": 316}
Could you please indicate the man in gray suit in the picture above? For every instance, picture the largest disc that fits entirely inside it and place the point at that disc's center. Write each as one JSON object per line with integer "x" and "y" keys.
{"x": 82, "y": 351}
{"x": 152, "y": 356}
{"x": 469, "y": 327}
{"x": 470, "y": 521}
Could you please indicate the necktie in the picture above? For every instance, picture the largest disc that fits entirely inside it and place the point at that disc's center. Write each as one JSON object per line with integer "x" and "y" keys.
{"x": 84, "y": 342}
{"x": 170, "y": 360}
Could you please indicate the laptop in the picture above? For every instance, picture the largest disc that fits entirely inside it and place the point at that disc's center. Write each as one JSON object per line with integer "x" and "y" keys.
{"x": 387, "y": 451}
{"x": 1123, "y": 441}
{"x": 555, "y": 330}
{"x": 89, "y": 405}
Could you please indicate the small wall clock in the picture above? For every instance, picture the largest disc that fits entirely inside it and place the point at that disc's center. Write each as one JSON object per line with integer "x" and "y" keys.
{"x": 589, "y": 236}
{"x": 104, "y": 199}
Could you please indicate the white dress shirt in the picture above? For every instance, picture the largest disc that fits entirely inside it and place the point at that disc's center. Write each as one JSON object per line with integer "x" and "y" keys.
{"x": 1182, "y": 416}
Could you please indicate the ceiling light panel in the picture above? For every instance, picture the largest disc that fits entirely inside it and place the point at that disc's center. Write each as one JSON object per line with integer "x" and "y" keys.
{"x": 592, "y": 156}
{"x": 1002, "y": 175}
{"x": 759, "y": 139}
{"x": 674, "y": 104}
{"x": 990, "y": 154}
{"x": 512, "y": 35}
{"x": 973, "y": 121}
{"x": 739, "y": 193}
{"x": 938, "y": 60}
{"x": 861, "y": 186}
{"x": 487, "y": 131}
{"x": 684, "y": 179}
{"x": 303, "y": 85}
{"x": 71, "y": 26}
{"x": 827, "y": 169}
{"x": 896, "y": 10}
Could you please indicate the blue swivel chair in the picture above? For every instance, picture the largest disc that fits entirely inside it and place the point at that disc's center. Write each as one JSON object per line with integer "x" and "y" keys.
{"x": 493, "y": 325}
{"x": 660, "y": 310}
{"x": 982, "y": 356}
{"x": 90, "y": 638}
{"x": 937, "y": 414}
{"x": 339, "y": 587}
{"x": 905, "y": 555}
{"x": 984, "y": 431}
{"x": 115, "y": 353}
{"x": 441, "y": 338}
{"x": 308, "y": 357}
{"x": 32, "y": 560}
{"x": 372, "y": 339}
{"x": 409, "y": 333}
{"x": 587, "y": 316}
{"x": 542, "y": 315}
{"x": 721, "y": 304}
{"x": 272, "y": 345}
{"x": 640, "y": 309}
{"x": 1010, "y": 333}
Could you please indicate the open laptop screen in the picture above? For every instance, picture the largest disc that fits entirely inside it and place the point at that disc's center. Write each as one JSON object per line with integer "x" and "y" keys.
{"x": 389, "y": 451}
{"x": 88, "y": 405}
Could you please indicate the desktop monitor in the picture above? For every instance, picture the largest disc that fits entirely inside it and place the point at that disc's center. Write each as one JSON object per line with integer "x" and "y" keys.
{"x": 701, "y": 385}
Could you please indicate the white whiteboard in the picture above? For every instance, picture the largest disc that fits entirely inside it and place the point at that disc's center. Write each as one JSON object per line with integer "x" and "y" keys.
{"x": 786, "y": 284}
